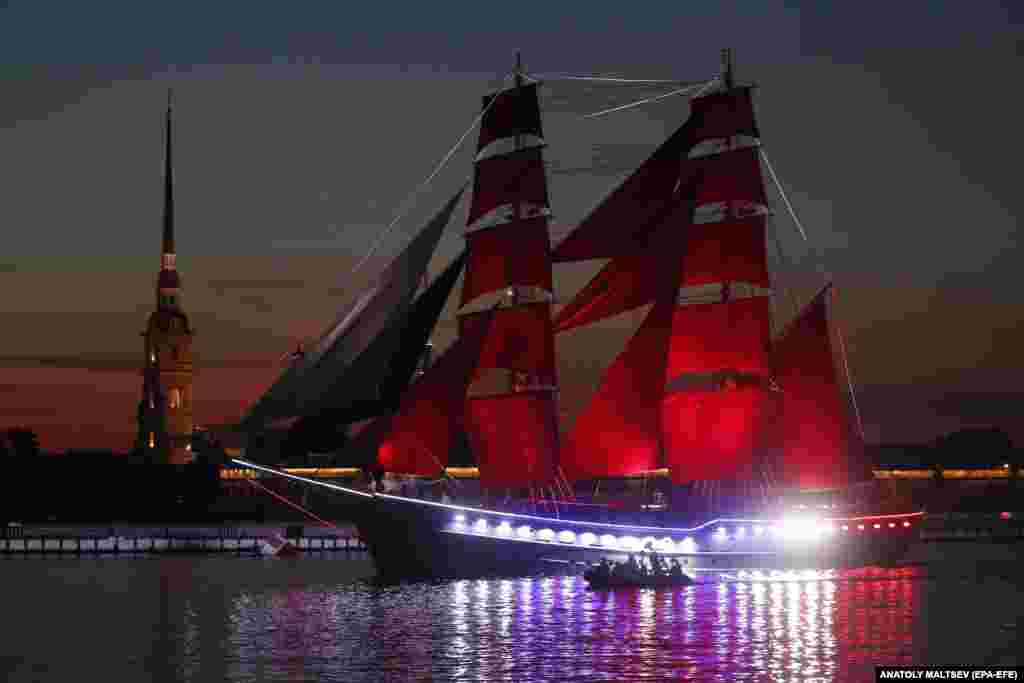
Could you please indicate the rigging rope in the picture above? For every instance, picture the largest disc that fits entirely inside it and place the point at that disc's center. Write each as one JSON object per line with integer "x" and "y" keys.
{"x": 612, "y": 79}
{"x": 678, "y": 91}
{"x": 410, "y": 202}
{"x": 290, "y": 503}
{"x": 820, "y": 266}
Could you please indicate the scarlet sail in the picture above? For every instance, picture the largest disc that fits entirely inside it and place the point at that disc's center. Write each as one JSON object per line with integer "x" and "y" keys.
{"x": 423, "y": 430}
{"x": 629, "y": 209}
{"x": 519, "y": 457}
{"x": 714, "y": 432}
{"x": 619, "y": 433}
{"x": 508, "y": 258}
{"x": 512, "y": 427}
{"x": 520, "y": 340}
{"x": 717, "y": 364}
{"x": 730, "y": 251}
{"x": 514, "y": 113}
{"x": 501, "y": 182}
{"x": 818, "y": 448}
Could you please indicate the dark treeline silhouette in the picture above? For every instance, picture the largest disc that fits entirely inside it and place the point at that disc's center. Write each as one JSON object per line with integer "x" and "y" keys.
{"x": 970, "y": 448}
{"x": 19, "y": 442}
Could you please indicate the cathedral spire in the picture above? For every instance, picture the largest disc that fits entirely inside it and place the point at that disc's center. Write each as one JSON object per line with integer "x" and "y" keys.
{"x": 168, "y": 282}
{"x": 165, "y": 411}
{"x": 168, "y": 246}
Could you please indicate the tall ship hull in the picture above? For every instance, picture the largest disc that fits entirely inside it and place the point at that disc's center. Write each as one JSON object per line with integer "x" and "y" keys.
{"x": 717, "y": 392}
{"x": 412, "y": 537}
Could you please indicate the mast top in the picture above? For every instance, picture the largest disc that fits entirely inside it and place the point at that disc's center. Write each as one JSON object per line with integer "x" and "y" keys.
{"x": 518, "y": 71}
{"x": 727, "y": 68}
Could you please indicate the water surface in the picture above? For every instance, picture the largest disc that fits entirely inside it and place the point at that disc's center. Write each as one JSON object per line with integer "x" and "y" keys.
{"x": 324, "y": 618}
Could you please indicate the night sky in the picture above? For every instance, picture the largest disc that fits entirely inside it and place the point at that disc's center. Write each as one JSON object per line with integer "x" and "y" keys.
{"x": 301, "y": 128}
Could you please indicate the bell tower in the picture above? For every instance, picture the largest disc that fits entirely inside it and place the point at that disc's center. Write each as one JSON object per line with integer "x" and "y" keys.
{"x": 165, "y": 411}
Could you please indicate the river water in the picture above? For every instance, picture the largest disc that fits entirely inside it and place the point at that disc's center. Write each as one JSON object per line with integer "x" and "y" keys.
{"x": 323, "y": 617}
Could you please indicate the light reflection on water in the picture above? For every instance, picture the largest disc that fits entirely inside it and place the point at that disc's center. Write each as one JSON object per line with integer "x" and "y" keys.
{"x": 320, "y": 618}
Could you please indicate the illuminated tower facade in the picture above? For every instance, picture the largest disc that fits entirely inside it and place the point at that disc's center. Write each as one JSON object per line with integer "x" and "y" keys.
{"x": 165, "y": 411}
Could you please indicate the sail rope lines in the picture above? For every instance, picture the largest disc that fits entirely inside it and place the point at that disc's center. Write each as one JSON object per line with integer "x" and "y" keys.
{"x": 290, "y": 503}
{"x": 824, "y": 272}
{"x": 678, "y": 91}
{"x": 612, "y": 79}
{"x": 707, "y": 85}
{"x": 407, "y": 205}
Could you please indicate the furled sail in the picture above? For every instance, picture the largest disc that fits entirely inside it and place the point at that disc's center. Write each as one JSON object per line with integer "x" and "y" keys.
{"x": 818, "y": 449}
{"x": 386, "y": 301}
{"x": 511, "y": 416}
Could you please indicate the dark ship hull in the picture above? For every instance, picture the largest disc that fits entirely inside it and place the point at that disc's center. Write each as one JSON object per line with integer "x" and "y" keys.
{"x": 415, "y": 538}
{"x": 418, "y": 538}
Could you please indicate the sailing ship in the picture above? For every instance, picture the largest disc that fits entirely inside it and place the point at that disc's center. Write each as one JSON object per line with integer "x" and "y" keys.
{"x": 702, "y": 396}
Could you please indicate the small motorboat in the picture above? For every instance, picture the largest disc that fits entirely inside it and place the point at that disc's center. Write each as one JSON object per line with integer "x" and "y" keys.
{"x": 603, "y": 579}
{"x": 276, "y": 545}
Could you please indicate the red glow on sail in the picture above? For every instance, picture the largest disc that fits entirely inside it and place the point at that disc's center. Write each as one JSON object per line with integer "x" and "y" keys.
{"x": 503, "y": 180}
{"x": 423, "y": 430}
{"x": 733, "y": 251}
{"x": 515, "y": 112}
{"x": 508, "y": 255}
{"x": 514, "y": 437}
{"x": 720, "y": 336}
{"x": 520, "y": 339}
{"x": 733, "y": 176}
{"x": 624, "y": 284}
{"x": 723, "y": 115}
{"x": 713, "y": 434}
{"x": 618, "y": 434}
{"x": 818, "y": 447}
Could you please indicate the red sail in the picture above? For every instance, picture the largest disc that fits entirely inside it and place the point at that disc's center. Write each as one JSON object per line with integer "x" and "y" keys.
{"x": 723, "y": 115}
{"x": 713, "y": 433}
{"x": 708, "y": 338}
{"x": 514, "y": 457}
{"x": 733, "y": 251}
{"x": 627, "y": 211}
{"x": 818, "y": 447}
{"x": 624, "y": 284}
{"x": 618, "y": 434}
{"x": 515, "y": 112}
{"x": 504, "y": 257}
{"x": 733, "y": 176}
{"x": 712, "y": 415}
{"x": 422, "y": 431}
{"x": 520, "y": 339}
{"x": 633, "y": 278}
{"x": 507, "y": 179}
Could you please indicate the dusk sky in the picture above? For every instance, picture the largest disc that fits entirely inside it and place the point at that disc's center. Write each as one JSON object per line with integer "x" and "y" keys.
{"x": 302, "y": 127}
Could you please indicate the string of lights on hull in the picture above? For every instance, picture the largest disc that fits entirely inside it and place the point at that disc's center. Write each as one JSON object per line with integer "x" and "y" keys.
{"x": 723, "y": 533}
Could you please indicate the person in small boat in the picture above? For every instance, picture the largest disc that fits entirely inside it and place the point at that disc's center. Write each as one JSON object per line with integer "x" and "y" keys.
{"x": 675, "y": 569}
{"x": 603, "y": 568}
